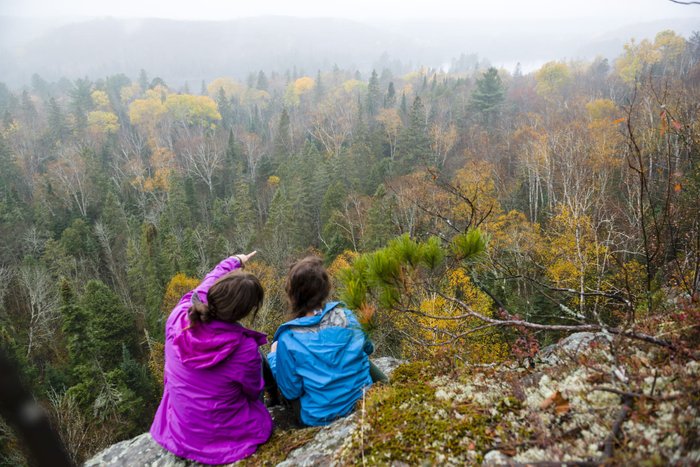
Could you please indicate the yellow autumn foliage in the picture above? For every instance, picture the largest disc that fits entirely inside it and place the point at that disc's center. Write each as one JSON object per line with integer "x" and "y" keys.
{"x": 230, "y": 87}
{"x": 178, "y": 286}
{"x": 100, "y": 100}
{"x": 100, "y": 122}
{"x": 129, "y": 93}
{"x": 190, "y": 110}
{"x": 552, "y": 79}
{"x": 482, "y": 346}
{"x": 572, "y": 255}
{"x": 475, "y": 181}
{"x": 297, "y": 89}
{"x": 146, "y": 112}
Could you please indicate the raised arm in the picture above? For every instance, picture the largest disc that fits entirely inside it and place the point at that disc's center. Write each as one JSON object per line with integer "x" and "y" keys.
{"x": 224, "y": 267}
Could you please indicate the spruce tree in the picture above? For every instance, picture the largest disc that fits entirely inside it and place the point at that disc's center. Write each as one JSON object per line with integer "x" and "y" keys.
{"x": 488, "y": 96}
{"x": 262, "y": 83}
{"x": 225, "y": 109}
{"x": 415, "y": 143}
{"x": 318, "y": 88}
{"x": 58, "y": 126}
{"x": 143, "y": 80}
{"x": 380, "y": 228}
{"x": 283, "y": 137}
{"x": 81, "y": 103}
{"x": 110, "y": 325}
{"x": 75, "y": 326}
{"x": 390, "y": 100}
{"x": 244, "y": 215}
{"x": 373, "y": 95}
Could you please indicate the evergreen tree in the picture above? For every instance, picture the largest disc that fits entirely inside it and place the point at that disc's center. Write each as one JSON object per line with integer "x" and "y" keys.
{"x": 332, "y": 201}
{"x": 75, "y": 327}
{"x": 380, "y": 228}
{"x": 373, "y": 95}
{"x": 147, "y": 275}
{"x": 143, "y": 80}
{"x": 231, "y": 165}
{"x": 114, "y": 219}
{"x": 58, "y": 126}
{"x": 262, "y": 83}
{"x": 110, "y": 325}
{"x": 5, "y": 98}
{"x": 78, "y": 240}
{"x": 318, "y": 87}
{"x": 488, "y": 96}
{"x": 415, "y": 143}
{"x": 390, "y": 100}
{"x": 244, "y": 216}
{"x": 81, "y": 103}
{"x": 29, "y": 113}
{"x": 283, "y": 137}
{"x": 280, "y": 228}
{"x": 225, "y": 108}
{"x": 40, "y": 86}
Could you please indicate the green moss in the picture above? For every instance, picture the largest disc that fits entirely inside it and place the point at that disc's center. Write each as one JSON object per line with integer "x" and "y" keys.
{"x": 278, "y": 447}
{"x": 405, "y": 422}
{"x": 508, "y": 404}
{"x": 412, "y": 372}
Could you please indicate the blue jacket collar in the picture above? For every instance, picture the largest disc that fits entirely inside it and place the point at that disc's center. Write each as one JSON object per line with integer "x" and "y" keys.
{"x": 307, "y": 320}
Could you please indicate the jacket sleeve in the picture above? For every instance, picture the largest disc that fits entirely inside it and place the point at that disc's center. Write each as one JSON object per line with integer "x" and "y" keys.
{"x": 224, "y": 267}
{"x": 283, "y": 369}
{"x": 248, "y": 373}
{"x": 221, "y": 269}
{"x": 272, "y": 361}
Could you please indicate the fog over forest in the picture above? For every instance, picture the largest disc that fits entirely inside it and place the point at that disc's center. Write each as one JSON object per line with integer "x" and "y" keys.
{"x": 182, "y": 51}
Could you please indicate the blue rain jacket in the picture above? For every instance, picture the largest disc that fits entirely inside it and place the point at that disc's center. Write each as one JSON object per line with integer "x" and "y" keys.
{"x": 323, "y": 360}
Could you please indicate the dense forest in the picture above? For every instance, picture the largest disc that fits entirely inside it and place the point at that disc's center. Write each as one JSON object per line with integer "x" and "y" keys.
{"x": 476, "y": 213}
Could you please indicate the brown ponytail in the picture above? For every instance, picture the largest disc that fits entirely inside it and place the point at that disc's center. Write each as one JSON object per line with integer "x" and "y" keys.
{"x": 230, "y": 299}
{"x": 199, "y": 312}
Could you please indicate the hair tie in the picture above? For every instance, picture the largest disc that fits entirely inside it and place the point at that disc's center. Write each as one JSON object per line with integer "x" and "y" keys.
{"x": 195, "y": 299}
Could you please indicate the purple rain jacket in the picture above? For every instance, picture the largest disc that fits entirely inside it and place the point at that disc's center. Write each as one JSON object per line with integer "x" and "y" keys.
{"x": 211, "y": 411}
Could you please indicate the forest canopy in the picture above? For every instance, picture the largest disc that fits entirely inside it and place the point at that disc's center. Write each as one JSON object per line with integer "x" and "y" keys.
{"x": 478, "y": 213}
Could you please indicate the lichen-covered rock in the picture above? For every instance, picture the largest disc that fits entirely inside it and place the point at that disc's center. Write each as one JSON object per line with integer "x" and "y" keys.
{"x": 496, "y": 458}
{"x": 322, "y": 449}
{"x": 570, "y": 347}
{"x": 142, "y": 450}
{"x": 316, "y": 446}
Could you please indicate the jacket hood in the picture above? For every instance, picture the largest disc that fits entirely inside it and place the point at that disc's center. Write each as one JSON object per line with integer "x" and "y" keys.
{"x": 206, "y": 344}
{"x": 306, "y": 320}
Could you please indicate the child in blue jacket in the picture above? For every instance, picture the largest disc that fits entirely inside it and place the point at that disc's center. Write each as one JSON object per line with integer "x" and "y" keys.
{"x": 321, "y": 357}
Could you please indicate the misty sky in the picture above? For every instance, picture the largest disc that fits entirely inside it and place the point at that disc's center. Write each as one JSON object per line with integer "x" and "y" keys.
{"x": 627, "y": 10}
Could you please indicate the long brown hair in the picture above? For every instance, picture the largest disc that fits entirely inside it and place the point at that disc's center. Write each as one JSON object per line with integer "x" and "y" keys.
{"x": 307, "y": 286}
{"x": 230, "y": 299}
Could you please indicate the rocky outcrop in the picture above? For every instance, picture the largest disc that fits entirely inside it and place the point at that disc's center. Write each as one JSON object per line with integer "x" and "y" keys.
{"x": 143, "y": 450}
{"x": 569, "y": 347}
{"x": 574, "y": 404}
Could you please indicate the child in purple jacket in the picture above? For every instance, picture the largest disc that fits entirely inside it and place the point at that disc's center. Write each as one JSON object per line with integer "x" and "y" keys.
{"x": 211, "y": 411}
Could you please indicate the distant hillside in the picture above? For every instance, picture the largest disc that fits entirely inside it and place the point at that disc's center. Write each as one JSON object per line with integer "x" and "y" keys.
{"x": 192, "y": 51}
